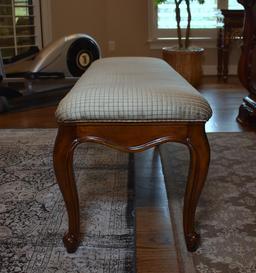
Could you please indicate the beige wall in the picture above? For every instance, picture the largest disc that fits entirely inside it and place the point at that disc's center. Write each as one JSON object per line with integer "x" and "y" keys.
{"x": 79, "y": 16}
{"x": 123, "y": 21}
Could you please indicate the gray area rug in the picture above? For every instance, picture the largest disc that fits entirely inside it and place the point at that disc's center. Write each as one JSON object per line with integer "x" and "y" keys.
{"x": 227, "y": 209}
{"x": 32, "y": 214}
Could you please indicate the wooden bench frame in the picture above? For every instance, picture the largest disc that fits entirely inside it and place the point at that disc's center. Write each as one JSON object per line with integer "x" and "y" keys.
{"x": 131, "y": 137}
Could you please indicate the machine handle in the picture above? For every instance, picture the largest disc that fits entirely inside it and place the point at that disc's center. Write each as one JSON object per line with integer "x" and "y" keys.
{"x": 43, "y": 75}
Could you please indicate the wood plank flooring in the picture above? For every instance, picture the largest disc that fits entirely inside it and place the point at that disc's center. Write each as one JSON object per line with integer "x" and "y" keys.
{"x": 155, "y": 247}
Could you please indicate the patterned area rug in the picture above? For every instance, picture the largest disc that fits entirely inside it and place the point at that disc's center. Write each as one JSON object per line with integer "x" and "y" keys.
{"x": 227, "y": 210}
{"x": 32, "y": 214}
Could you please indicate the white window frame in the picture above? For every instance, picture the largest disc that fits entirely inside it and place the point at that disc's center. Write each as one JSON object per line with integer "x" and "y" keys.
{"x": 159, "y": 38}
{"x": 46, "y": 22}
{"x": 37, "y": 22}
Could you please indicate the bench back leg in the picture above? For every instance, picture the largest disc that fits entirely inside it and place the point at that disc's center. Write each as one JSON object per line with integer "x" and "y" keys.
{"x": 199, "y": 163}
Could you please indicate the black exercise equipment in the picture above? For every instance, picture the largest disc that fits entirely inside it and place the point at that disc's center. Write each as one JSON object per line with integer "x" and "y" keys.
{"x": 63, "y": 61}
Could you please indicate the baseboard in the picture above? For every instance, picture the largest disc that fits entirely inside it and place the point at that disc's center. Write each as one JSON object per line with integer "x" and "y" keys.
{"x": 212, "y": 69}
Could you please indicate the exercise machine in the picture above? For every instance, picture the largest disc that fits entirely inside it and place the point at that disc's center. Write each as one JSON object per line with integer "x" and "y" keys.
{"x": 61, "y": 63}
{"x": 68, "y": 56}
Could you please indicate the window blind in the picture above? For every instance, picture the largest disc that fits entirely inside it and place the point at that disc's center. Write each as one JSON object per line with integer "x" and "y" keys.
{"x": 19, "y": 26}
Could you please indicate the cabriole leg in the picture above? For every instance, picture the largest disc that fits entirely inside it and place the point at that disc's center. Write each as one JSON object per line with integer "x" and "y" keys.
{"x": 63, "y": 165}
{"x": 199, "y": 163}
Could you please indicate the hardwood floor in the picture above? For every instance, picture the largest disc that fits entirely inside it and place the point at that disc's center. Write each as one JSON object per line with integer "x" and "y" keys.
{"x": 34, "y": 118}
{"x": 155, "y": 246}
{"x": 155, "y": 243}
{"x": 225, "y": 99}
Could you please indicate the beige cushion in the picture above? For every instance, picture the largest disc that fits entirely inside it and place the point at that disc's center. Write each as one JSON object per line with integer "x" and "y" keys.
{"x": 132, "y": 89}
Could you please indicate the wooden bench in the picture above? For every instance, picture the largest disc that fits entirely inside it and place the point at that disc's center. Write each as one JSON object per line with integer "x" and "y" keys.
{"x": 132, "y": 104}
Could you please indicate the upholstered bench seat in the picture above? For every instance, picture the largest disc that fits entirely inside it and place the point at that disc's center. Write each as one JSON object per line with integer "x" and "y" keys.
{"x": 132, "y": 89}
{"x": 132, "y": 104}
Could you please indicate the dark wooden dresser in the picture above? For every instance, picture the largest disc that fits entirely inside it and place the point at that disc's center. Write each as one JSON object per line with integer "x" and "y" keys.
{"x": 232, "y": 30}
{"x": 247, "y": 64}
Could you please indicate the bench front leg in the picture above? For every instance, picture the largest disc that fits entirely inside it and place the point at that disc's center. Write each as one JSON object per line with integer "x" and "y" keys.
{"x": 65, "y": 144}
{"x": 199, "y": 163}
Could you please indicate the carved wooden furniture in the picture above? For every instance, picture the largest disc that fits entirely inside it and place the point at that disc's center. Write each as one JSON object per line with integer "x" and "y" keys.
{"x": 247, "y": 64}
{"x": 132, "y": 104}
{"x": 232, "y": 29}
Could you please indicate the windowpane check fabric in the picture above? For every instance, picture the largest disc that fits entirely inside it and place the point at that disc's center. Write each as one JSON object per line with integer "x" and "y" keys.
{"x": 132, "y": 89}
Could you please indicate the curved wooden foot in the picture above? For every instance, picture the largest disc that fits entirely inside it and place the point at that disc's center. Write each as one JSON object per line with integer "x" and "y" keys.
{"x": 192, "y": 241}
{"x": 63, "y": 166}
{"x": 71, "y": 242}
{"x": 199, "y": 163}
{"x": 247, "y": 112}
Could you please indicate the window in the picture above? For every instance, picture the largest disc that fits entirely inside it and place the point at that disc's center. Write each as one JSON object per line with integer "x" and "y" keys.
{"x": 203, "y": 16}
{"x": 19, "y": 26}
{"x": 206, "y": 18}
{"x": 233, "y": 4}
